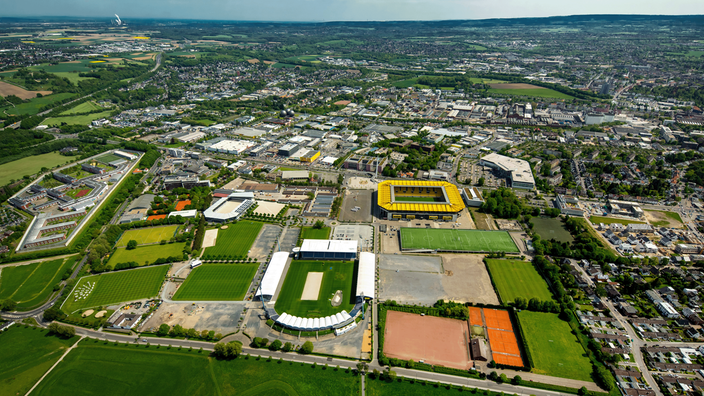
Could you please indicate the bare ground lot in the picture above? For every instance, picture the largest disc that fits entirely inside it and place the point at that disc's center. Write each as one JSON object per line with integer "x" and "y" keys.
{"x": 483, "y": 221}
{"x": 219, "y": 317}
{"x": 210, "y": 238}
{"x": 410, "y": 279}
{"x": 262, "y": 245}
{"x": 361, "y": 198}
{"x": 9, "y": 89}
{"x": 659, "y": 217}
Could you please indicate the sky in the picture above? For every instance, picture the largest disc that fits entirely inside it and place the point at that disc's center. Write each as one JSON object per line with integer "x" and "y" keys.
{"x": 344, "y": 10}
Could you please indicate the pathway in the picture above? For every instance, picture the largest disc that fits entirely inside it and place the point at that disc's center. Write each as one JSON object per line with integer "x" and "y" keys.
{"x": 55, "y": 364}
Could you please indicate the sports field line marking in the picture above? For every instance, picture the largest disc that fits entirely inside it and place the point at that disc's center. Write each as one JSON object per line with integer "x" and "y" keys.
{"x": 25, "y": 281}
{"x": 45, "y": 287}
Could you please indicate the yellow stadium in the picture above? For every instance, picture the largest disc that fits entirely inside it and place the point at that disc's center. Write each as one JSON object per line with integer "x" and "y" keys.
{"x": 418, "y": 199}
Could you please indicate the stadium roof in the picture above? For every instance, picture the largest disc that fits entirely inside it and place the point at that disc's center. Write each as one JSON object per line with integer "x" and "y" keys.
{"x": 273, "y": 274}
{"x": 453, "y": 195}
{"x": 323, "y": 245}
{"x": 366, "y": 275}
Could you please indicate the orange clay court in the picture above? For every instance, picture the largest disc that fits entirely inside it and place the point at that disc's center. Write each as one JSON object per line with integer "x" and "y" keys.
{"x": 496, "y": 319}
{"x": 180, "y": 205}
{"x": 502, "y": 339}
{"x": 475, "y": 316}
{"x": 156, "y": 217}
{"x": 439, "y": 341}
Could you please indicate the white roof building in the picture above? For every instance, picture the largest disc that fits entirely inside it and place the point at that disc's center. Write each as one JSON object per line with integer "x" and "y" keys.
{"x": 516, "y": 169}
{"x": 230, "y": 208}
{"x": 272, "y": 276}
{"x": 366, "y": 275}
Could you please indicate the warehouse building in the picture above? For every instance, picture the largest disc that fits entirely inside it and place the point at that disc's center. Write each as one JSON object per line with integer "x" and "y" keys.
{"x": 516, "y": 171}
{"x": 321, "y": 249}
{"x": 287, "y": 149}
{"x": 416, "y": 199}
{"x": 272, "y": 276}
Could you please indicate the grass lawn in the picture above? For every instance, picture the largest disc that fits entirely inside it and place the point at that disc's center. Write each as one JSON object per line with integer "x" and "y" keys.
{"x": 337, "y": 275}
{"x": 147, "y": 235}
{"x": 75, "y": 120}
{"x": 116, "y": 287}
{"x": 551, "y": 227}
{"x": 536, "y": 92}
{"x": 94, "y": 368}
{"x": 73, "y": 77}
{"x": 312, "y": 233}
{"x": 236, "y": 240}
{"x": 82, "y": 108}
{"x": 481, "y": 220}
{"x": 34, "y": 105}
{"x": 30, "y": 165}
{"x": 553, "y": 348}
{"x": 379, "y": 387}
{"x": 147, "y": 254}
{"x": 217, "y": 282}
{"x": 27, "y": 353}
{"x": 612, "y": 220}
{"x": 31, "y": 285}
{"x": 516, "y": 278}
{"x": 462, "y": 240}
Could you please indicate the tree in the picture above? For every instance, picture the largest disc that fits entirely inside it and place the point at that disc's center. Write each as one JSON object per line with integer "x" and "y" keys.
{"x": 227, "y": 351}
{"x": 306, "y": 348}
{"x": 62, "y": 331}
{"x": 583, "y": 391}
{"x": 275, "y": 346}
{"x": 8, "y": 305}
{"x": 516, "y": 380}
{"x": 163, "y": 330}
{"x": 318, "y": 225}
{"x": 362, "y": 367}
{"x": 287, "y": 347}
{"x": 480, "y": 182}
{"x": 132, "y": 244}
{"x": 52, "y": 314}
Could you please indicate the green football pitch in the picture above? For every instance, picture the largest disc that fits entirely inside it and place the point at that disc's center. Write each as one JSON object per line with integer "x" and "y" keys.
{"x": 516, "y": 278}
{"x": 236, "y": 240}
{"x": 217, "y": 282}
{"x": 337, "y": 275}
{"x": 147, "y": 235}
{"x": 457, "y": 240}
{"x": 116, "y": 287}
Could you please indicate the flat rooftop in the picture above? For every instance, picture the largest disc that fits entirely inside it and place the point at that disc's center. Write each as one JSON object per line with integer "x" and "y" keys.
{"x": 519, "y": 169}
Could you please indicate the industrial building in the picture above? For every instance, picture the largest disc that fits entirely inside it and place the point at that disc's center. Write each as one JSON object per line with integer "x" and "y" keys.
{"x": 287, "y": 149}
{"x": 323, "y": 249}
{"x": 517, "y": 171}
{"x": 415, "y": 199}
{"x": 230, "y": 208}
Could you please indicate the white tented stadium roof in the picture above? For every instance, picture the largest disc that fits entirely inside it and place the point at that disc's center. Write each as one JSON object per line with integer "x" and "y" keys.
{"x": 273, "y": 274}
{"x": 365, "y": 275}
{"x": 322, "y": 245}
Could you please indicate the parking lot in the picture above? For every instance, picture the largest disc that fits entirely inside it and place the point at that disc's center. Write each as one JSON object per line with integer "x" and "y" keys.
{"x": 361, "y": 201}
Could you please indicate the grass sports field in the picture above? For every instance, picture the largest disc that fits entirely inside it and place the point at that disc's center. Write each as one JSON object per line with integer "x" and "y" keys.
{"x": 462, "y": 240}
{"x": 612, "y": 220}
{"x": 236, "y": 240}
{"x": 26, "y": 355}
{"x": 217, "y": 282}
{"x": 116, "y": 287}
{"x": 516, "y": 278}
{"x": 97, "y": 369}
{"x": 30, "y": 285}
{"x": 312, "y": 233}
{"x": 551, "y": 227}
{"x": 147, "y": 254}
{"x": 30, "y": 165}
{"x": 76, "y": 119}
{"x": 553, "y": 348}
{"x": 337, "y": 275}
{"x": 144, "y": 236}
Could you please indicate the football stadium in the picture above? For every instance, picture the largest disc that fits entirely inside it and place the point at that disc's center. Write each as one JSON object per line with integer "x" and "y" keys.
{"x": 419, "y": 199}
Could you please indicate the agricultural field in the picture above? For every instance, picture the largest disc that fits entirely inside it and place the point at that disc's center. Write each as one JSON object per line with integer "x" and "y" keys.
{"x": 75, "y": 120}
{"x": 144, "y": 255}
{"x": 108, "y": 370}
{"x": 15, "y": 170}
{"x": 31, "y": 285}
{"x": 336, "y": 275}
{"x": 148, "y": 235}
{"x": 312, "y": 233}
{"x": 217, "y": 282}
{"x": 72, "y": 76}
{"x": 116, "y": 287}
{"x": 84, "y": 107}
{"x": 7, "y": 89}
{"x": 27, "y": 353}
{"x": 516, "y": 278}
{"x": 612, "y": 220}
{"x": 460, "y": 240}
{"x": 551, "y": 228}
{"x": 236, "y": 240}
{"x": 553, "y": 348}
{"x": 35, "y": 105}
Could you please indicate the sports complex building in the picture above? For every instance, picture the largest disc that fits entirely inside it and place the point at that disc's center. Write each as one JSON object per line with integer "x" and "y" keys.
{"x": 517, "y": 171}
{"x": 230, "y": 208}
{"x": 419, "y": 199}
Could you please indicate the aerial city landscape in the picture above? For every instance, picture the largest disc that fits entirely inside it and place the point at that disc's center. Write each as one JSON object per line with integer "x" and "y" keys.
{"x": 485, "y": 206}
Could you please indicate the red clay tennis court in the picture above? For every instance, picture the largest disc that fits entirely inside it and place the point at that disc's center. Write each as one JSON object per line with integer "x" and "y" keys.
{"x": 82, "y": 193}
{"x": 156, "y": 217}
{"x": 180, "y": 205}
{"x": 503, "y": 342}
{"x": 508, "y": 360}
{"x": 439, "y": 341}
{"x": 497, "y": 319}
{"x": 475, "y": 316}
